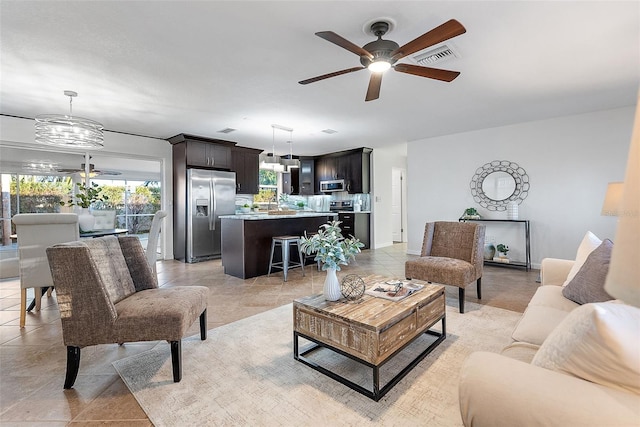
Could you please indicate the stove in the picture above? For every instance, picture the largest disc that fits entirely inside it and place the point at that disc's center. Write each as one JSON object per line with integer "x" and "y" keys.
{"x": 341, "y": 205}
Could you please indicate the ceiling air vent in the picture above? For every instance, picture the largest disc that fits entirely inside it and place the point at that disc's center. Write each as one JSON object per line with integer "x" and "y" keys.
{"x": 227, "y": 130}
{"x": 329, "y": 131}
{"x": 433, "y": 56}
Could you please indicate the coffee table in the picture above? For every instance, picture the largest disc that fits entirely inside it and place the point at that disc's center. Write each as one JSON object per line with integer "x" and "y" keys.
{"x": 371, "y": 331}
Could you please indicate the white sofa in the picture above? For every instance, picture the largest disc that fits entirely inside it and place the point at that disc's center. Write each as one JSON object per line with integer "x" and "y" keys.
{"x": 507, "y": 389}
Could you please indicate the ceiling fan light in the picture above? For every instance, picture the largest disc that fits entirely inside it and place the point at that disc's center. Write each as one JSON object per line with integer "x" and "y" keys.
{"x": 379, "y": 66}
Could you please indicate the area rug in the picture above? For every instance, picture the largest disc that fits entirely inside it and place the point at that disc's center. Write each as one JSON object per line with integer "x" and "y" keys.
{"x": 244, "y": 374}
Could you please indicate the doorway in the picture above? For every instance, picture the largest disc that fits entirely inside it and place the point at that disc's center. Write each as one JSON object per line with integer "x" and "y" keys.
{"x": 398, "y": 205}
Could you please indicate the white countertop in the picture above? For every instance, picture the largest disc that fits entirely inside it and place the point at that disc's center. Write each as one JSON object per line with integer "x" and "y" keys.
{"x": 259, "y": 216}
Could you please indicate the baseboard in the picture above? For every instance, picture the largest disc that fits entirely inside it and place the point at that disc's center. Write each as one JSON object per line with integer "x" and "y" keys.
{"x": 383, "y": 245}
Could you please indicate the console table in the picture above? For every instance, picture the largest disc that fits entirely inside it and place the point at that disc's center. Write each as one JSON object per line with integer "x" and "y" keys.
{"x": 527, "y": 237}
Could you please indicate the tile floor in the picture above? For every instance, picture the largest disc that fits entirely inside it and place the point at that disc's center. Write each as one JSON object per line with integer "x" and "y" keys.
{"x": 33, "y": 360}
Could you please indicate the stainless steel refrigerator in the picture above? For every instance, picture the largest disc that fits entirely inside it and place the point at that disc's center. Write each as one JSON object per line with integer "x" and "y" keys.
{"x": 209, "y": 195}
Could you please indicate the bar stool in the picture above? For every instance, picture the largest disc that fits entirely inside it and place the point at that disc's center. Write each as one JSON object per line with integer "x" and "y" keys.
{"x": 285, "y": 243}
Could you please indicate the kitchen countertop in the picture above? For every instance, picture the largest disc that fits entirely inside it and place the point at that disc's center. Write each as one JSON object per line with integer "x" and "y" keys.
{"x": 261, "y": 216}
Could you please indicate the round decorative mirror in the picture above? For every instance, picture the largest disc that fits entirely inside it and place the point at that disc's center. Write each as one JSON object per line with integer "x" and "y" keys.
{"x": 498, "y": 186}
{"x": 498, "y": 183}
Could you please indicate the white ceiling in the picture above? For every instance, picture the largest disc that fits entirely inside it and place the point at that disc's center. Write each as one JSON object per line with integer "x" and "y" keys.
{"x": 159, "y": 68}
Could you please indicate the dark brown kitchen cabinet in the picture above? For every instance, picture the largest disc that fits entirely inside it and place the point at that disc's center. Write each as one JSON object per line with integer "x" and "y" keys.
{"x": 357, "y": 225}
{"x": 326, "y": 169}
{"x": 204, "y": 152}
{"x": 245, "y": 162}
{"x": 207, "y": 155}
{"x": 353, "y": 166}
{"x": 306, "y": 178}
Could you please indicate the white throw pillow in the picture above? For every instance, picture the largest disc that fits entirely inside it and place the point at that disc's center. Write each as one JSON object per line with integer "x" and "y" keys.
{"x": 598, "y": 343}
{"x": 588, "y": 244}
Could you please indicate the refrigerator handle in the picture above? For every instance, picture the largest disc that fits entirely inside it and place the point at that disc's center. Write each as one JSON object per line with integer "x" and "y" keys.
{"x": 212, "y": 201}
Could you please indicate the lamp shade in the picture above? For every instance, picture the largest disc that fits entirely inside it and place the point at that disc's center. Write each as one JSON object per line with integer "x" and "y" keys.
{"x": 623, "y": 280}
{"x": 611, "y": 205}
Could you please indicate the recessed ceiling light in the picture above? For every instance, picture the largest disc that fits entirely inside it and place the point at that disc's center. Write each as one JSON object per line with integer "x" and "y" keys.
{"x": 329, "y": 131}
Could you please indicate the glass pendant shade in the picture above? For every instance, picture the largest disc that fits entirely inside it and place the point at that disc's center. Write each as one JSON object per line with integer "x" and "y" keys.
{"x": 68, "y": 130}
{"x": 289, "y": 162}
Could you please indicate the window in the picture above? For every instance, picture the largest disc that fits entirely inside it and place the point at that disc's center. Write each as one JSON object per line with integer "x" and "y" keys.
{"x": 268, "y": 192}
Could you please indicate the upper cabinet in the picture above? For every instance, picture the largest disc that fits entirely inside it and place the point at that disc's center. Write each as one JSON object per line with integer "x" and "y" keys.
{"x": 306, "y": 178}
{"x": 204, "y": 152}
{"x": 196, "y": 151}
{"x": 208, "y": 155}
{"x": 246, "y": 164}
{"x": 353, "y": 166}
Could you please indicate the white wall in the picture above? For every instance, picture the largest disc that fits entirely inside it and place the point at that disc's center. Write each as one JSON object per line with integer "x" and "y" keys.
{"x": 569, "y": 161}
{"x": 384, "y": 159}
{"x": 21, "y": 131}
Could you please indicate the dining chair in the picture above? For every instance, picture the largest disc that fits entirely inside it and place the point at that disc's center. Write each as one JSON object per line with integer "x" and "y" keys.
{"x": 152, "y": 242}
{"x": 35, "y": 232}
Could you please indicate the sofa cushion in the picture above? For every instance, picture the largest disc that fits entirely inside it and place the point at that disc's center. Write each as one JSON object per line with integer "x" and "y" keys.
{"x": 521, "y": 351}
{"x": 598, "y": 343}
{"x": 551, "y": 296}
{"x": 537, "y": 323}
{"x": 589, "y": 242}
{"x": 588, "y": 284}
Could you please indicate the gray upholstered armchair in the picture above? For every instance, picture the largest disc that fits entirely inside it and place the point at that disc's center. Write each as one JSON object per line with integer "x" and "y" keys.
{"x": 107, "y": 293}
{"x": 452, "y": 254}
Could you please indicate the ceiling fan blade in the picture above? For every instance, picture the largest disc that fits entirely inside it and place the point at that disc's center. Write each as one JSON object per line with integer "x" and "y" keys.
{"x": 449, "y": 29}
{"x": 373, "y": 91}
{"x": 110, "y": 173}
{"x": 326, "y": 76}
{"x": 432, "y": 73}
{"x": 332, "y": 37}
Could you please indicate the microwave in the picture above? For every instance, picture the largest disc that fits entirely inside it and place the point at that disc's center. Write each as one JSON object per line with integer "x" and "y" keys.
{"x": 333, "y": 185}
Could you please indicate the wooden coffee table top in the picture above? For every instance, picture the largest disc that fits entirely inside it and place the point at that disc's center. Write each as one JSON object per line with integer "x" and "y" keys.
{"x": 371, "y": 312}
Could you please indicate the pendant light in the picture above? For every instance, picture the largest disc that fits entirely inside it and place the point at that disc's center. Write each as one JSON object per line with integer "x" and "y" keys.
{"x": 69, "y": 131}
{"x": 290, "y": 162}
{"x": 271, "y": 160}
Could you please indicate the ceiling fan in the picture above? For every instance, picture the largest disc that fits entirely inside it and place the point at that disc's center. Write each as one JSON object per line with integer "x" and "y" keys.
{"x": 380, "y": 55}
{"x": 92, "y": 170}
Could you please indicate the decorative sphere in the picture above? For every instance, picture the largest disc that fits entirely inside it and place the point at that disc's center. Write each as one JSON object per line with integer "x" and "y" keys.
{"x": 352, "y": 287}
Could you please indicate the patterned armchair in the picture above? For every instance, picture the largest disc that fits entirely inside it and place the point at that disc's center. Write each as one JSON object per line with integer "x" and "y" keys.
{"x": 108, "y": 294}
{"x": 452, "y": 254}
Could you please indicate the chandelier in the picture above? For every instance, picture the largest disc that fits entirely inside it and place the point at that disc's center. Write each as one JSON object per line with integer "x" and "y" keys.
{"x": 67, "y": 130}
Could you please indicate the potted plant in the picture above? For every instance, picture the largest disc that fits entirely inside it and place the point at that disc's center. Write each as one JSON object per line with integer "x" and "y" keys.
{"x": 502, "y": 250}
{"x": 470, "y": 213}
{"x": 246, "y": 208}
{"x": 83, "y": 198}
{"x": 255, "y": 207}
{"x": 300, "y": 205}
{"x": 332, "y": 249}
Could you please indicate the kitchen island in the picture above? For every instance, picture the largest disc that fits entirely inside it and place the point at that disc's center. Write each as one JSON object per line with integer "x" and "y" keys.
{"x": 246, "y": 239}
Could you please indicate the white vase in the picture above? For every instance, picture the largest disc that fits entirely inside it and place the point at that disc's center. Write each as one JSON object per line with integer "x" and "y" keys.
{"x": 86, "y": 221}
{"x": 512, "y": 211}
{"x": 331, "y": 289}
